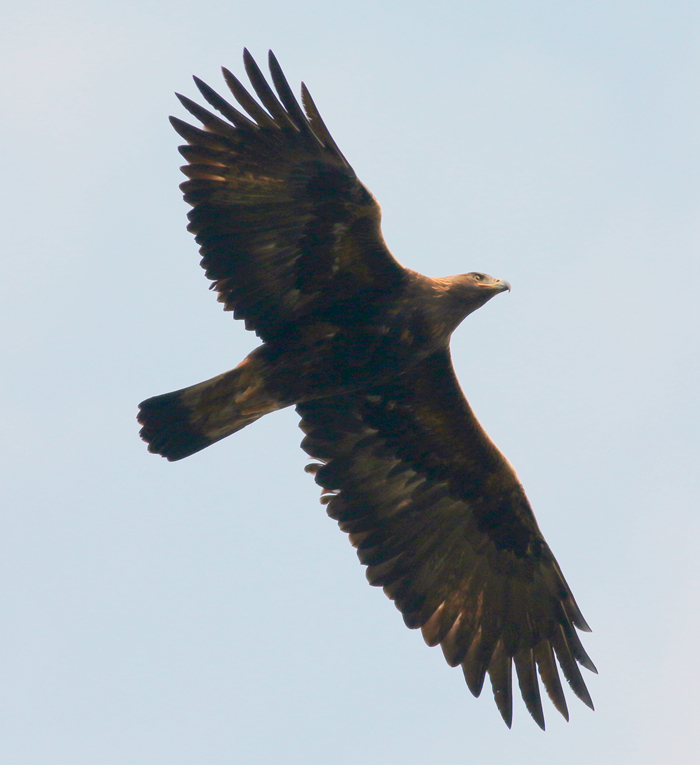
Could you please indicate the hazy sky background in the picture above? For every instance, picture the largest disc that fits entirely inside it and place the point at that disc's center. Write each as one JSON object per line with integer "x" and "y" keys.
{"x": 208, "y": 611}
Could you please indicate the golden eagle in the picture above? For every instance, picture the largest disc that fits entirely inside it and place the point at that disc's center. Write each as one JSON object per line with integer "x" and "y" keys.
{"x": 292, "y": 242}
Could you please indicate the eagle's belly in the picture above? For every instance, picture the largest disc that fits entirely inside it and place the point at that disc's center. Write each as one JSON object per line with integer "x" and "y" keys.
{"x": 321, "y": 359}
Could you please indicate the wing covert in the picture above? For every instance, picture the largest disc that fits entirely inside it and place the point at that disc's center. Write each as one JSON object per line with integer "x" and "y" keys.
{"x": 441, "y": 521}
{"x": 285, "y": 227}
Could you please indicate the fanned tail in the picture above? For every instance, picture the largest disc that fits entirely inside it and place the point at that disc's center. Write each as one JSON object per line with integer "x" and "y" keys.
{"x": 186, "y": 421}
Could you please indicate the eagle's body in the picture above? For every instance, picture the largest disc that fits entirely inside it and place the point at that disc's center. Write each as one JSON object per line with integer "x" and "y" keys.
{"x": 339, "y": 350}
{"x": 360, "y": 344}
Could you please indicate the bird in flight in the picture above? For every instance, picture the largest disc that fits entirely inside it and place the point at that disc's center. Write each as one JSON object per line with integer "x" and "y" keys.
{"x": 291, "y": 241}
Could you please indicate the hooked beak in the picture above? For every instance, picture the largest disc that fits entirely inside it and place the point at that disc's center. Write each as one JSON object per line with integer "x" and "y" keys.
{"x": 497, "y": 285}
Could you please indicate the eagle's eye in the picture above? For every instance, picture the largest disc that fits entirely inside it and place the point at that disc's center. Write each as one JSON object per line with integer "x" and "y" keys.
{"x": 477, "y": 277}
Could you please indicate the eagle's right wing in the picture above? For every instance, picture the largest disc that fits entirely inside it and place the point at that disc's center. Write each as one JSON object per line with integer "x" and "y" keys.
{"x": 440, "y": 519}
{"x": 285, "y": 226}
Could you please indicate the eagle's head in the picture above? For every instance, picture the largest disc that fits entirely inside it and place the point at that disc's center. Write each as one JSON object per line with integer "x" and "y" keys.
{"x": 466, "y": 293}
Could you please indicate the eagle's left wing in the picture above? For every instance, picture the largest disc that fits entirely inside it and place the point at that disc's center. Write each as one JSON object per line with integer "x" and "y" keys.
{"x": 284, "y": 225}
{"x": 441, "y": 520}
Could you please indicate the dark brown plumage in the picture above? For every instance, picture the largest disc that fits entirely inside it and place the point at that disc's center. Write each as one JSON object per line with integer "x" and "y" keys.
{"x": 360, "y": 345}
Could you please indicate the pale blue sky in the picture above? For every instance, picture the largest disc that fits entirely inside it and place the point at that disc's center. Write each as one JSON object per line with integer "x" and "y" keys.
{"x": 208, "y": 611}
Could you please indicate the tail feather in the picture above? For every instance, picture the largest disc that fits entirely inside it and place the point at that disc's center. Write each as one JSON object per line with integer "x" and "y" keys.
{"x": 186, "y": 421}
{"x": 167, "y": 429}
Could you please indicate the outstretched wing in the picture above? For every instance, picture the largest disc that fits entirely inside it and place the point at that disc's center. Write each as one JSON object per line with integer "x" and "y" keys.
{"x": 440, "y": 519}
{"x": 285, "y": 227}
